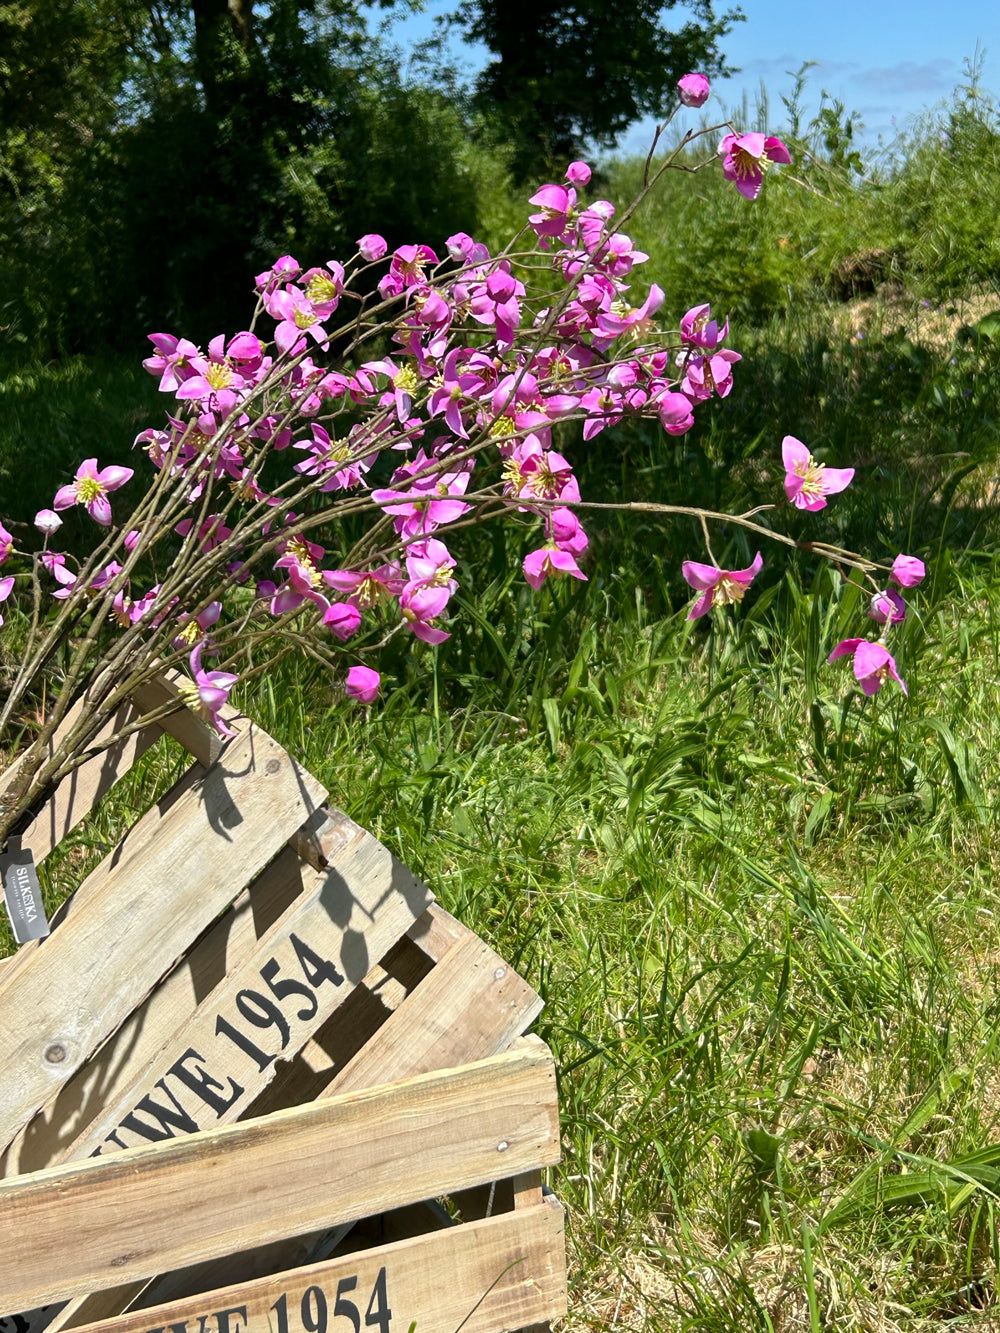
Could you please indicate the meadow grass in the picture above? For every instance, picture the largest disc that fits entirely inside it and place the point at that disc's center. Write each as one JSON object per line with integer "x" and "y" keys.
{"x": 759, "y": 907}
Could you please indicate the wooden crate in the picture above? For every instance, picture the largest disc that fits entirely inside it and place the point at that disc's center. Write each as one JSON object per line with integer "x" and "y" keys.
{"x": 257, "y": 1081}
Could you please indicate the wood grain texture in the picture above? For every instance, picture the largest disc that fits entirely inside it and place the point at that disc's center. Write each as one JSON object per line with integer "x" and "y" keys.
{"x": 469, "y": 1006}
{"x": 478, "y": 1025}
{"x": 172, "y": 874}
{"x": 98, "y": 1223}
{"x": 501, "y": 1273}
{"x": 81, "y": 790}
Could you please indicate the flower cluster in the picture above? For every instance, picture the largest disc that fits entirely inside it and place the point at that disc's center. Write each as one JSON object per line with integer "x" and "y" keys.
{"x": 807, "y": 484}
{"x": 277, "y": 434}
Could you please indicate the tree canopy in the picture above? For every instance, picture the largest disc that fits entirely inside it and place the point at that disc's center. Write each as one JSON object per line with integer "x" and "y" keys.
{"x": 569, "y": 71}
{"x": 154, "y": 154}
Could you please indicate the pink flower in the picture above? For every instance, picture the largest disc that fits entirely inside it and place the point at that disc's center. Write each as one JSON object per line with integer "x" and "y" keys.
{"x": 873, "y": 664}
{"x": 675, "y": 412}
{"x": 908, "y": 571}
{"x": 550, "y": 561}
{"x": 460, "y": 246}
{"x": 408, "y": 264}
{"x": 808, "y": 483}
{"x": 342, "y": 620}
{"x": 172, "y": 361}
{"x": 718, "y": 587}
{"x": 90, "y": 487}
{"x": 556, "y": 204}
{"x": 887, "y": 605}
{"x": 367, "y": 590}
{"x": 286, "y": 269}
{"x": 296, "y": 316}
{"x": 6, "y": 543}
{"x": 701, "y": 330}
{"x": 421, "y": 602}
{"x": 5, "y": 589}
{"x": 363, "y": 684}
{"x": 693, "y": 90}
{"x": 745, "y": 158}
{"x": 208, "y": 693}
{"x": 578, "y": 173}
{"x": 712, "y": 373}
{"x": 193, "y": 629}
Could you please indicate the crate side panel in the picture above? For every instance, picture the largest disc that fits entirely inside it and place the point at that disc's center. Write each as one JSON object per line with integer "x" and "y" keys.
{"x": 109, "y": 1074}
{"x": 103, "y": 1222}
{"x": 270, "y": 1004}
{"x": 469, "y": 1006}
{"x": 501, "y": 1273}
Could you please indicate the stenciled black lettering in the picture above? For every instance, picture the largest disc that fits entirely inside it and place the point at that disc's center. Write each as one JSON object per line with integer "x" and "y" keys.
{"x": 167, "y": 1120}
{"x": 239, "y": 1311}
{"x": 182, "y": 1327}
{"x": 315, "y": 969}
{"x": 224, "y": 1028}
{"x": 280, "y": 1308}
{"x": 378, "y": 1311}
{"x": 201, "y": 1082}
{"x": 113, "y": 1136}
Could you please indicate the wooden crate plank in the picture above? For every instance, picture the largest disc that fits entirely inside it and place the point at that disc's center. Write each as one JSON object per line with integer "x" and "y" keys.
{"x": 106, "y": 1221}
{"x": 360, "y": 1017}
{"x": 177, "y": 869}
{"x": 78, "y": 793}
{"x": 200, "y": 740}
{"x": 469, "y": 1006}
{"x": 479, "y": 1025}
{"x": 497, "y": 1274}
{"x": 290, "y": 909}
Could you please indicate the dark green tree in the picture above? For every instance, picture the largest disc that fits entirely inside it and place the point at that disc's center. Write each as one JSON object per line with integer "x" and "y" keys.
{"x": 570, "y": 72}
{"x": 189, "y": 144}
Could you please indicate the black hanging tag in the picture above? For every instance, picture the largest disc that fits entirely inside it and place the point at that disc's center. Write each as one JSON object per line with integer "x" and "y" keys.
{"x": 22, "y": 893}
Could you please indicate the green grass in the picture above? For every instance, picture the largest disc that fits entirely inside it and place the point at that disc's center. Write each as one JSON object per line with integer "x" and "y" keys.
{"x": 765, "y": 935}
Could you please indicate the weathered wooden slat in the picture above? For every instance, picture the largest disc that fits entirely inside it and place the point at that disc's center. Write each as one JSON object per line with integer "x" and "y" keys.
{"x": 486, "y": 1015}
{"x": 166, "y": 1072}
{"x": 358, "y": 1020}
{"x": 200, "y": 740}
{"x": 78, "y": 793}
{"x": 97, "y": 1223}
{"x": 501, "y": 1273}
{"x": 177, "y": 869}
{"x": 470, "y": 1005}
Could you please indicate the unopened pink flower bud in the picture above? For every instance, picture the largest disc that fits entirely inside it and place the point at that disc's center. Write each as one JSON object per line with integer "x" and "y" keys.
{"x": 460, "y": 246}
{"x": 578, "y": 173}
{"x": 694, "y": 90}
{"x": 908, "y": 571}
{"x": 131, "y": 540}
{"x": 342, "y": 620}
{"x": 363, "y": 684}
{"x": 47, "y": 521}
{"x": 372, "y": 247}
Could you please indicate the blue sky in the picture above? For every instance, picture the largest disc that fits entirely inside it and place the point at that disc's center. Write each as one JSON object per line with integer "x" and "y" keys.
{"x": 885, "y": 58}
